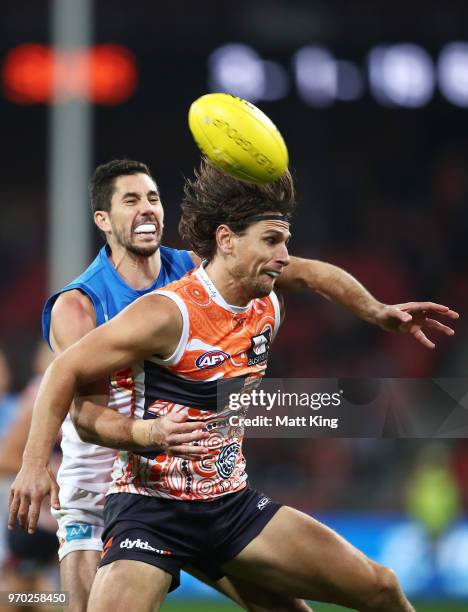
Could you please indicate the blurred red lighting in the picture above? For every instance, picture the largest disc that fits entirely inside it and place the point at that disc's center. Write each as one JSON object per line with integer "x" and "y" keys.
{"x": 113, "y": 74}
{"x": 106, "y": 74}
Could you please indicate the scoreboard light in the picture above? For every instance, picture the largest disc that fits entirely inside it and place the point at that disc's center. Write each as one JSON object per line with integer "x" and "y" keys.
{"x": 36, "y": 74}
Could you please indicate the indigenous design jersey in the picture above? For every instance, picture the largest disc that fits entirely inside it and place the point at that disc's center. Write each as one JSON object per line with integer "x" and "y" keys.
{"x": 218, "y": 341}
{"x": 87, "y": 466}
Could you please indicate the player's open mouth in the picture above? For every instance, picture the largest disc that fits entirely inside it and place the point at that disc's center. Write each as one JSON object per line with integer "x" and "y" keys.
{"x": 146, "y": 229}
{"x": 272, "y": 273}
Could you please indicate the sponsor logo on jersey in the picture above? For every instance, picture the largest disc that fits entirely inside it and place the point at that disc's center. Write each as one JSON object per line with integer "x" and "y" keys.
{"x": 259, "y": 348}
{"x": 142, "y": 545}
{"x": 211, "y": 359}
{"x": 263, "y": 502}
{"x": 78, "y": 531}
{"x": 226, "y": 461}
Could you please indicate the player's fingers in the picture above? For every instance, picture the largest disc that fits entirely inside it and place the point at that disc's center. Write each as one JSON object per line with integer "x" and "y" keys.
{"x": 452, "y": 314}
{"x": 54, "y": 497}
{"x": 13, "y": 510}
{"x": 177, "y": 417}
{"x": 421, "y": 337}
{"x": 188, "y": 451}
{"x": 23, "y": 511}
{"x": 189, "y": 426}
{"x": 438, "y": 326}
{"x": 34, "y": 512}
{"x": 187, "y": 437}
{"x": 420, "y": 306}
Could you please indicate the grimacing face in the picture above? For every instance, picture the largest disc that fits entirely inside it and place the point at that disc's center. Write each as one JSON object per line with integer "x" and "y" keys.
{"x": 260, "y": 255}
{"x": 136, "y": 217}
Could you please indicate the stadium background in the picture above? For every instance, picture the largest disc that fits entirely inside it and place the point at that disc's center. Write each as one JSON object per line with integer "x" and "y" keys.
{"x": 379, "y": 146}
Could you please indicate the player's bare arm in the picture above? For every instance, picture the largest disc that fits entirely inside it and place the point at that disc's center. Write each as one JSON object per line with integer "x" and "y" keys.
{"x": 72, "y": 317}
{"x": 337, "y": 285}
{"x": 106, "y": 427}
{"x": 150, "y": 326}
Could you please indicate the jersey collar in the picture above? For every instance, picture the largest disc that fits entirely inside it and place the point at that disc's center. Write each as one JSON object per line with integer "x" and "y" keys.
{"x": 215, "y": 295}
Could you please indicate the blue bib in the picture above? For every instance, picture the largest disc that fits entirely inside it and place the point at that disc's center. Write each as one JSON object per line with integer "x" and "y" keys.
{"x": 109, "y": 293}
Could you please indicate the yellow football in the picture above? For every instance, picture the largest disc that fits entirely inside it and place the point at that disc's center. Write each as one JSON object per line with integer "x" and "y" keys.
{"x": 238, "y": 137}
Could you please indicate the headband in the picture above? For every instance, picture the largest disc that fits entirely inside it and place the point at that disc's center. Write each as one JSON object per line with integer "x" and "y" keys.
{"x": 269, "y": 217}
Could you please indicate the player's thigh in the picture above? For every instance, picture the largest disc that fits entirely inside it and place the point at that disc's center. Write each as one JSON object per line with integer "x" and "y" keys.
{"x": 250, "y": 596}
{"x": 77, "y": 571}
{"x": 297, "y": 555}
{"x": 127, "y": 585}
{"x": 255, "y": 598}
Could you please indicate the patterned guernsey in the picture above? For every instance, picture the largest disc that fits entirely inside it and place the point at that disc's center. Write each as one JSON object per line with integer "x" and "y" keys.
{"x": 218, "y": 342}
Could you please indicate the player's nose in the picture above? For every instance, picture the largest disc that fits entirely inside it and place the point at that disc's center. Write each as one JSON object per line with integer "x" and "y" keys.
{"x": 282, "y": 255}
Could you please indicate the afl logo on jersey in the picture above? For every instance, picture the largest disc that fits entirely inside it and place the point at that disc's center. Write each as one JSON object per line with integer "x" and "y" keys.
{"x": 211, "y": 359}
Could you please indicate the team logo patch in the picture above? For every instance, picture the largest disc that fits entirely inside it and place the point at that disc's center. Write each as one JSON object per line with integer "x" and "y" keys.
{"x": 78, "y": 531}
{"x": 211, "y": 359}
{"x": 259, "y": 348}
{"x": 227, "y": 458}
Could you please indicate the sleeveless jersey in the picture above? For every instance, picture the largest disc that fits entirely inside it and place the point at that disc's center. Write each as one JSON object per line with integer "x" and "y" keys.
{"x": 84, "y": 465}
{"x": 219, "y": 344}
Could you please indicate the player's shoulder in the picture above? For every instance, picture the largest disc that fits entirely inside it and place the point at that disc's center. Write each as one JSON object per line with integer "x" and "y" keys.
{"x": 156, "y": 310}
{"x": 177, "y": 257}
{"x": 74, "y": 304}
{"x": 96, "y": 268}
{"x": 72, "y": 316}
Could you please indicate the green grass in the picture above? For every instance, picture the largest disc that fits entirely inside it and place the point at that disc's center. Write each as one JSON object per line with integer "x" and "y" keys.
{"x": 220, "y": 606}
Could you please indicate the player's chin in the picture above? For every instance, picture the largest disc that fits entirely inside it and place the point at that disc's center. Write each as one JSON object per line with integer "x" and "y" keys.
{"x": 264, "y": 288}
{"x": 145, "y": 249}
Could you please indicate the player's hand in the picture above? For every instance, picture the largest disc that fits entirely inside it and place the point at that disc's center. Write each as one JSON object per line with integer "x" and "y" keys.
{"x": 175, "y": 435}
{"x": 28, "y": 490}
{"x": 416, "y": 318}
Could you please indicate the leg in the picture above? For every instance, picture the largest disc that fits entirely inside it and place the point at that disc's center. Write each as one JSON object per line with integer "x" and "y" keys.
{"x": 77, "y": 572}
{"x": 123, "y": 585}
{"x": 250, "y": 596}
{"x": 298, "y": 556}
{"x": 80, "y": 525}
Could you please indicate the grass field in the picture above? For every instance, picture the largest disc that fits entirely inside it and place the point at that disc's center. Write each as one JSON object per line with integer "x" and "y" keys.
{"x": 205, "y": 606}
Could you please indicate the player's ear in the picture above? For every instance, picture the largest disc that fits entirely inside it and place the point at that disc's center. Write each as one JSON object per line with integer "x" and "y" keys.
{"x": 101, "y": 219}
{"x": 225, "y": 239}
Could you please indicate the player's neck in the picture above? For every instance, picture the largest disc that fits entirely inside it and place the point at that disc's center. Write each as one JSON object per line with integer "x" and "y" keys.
{"x": 139, "y": 272}
{"x": 232, "y": 291}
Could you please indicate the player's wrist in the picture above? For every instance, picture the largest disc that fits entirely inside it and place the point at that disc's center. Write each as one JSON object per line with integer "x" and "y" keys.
{"x": 36, "y": 461}
{"x": 140, "y": 433}
{"x": 374, "y": 312}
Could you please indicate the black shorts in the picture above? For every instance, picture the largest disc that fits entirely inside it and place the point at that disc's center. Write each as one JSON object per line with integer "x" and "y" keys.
{"x": 171, "y": 534}
{"x": 30, "y": 553}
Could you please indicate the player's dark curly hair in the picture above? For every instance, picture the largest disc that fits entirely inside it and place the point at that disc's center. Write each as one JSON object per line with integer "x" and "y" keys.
{"x": 101, "y": 185}
{"x": 215, "y": 198}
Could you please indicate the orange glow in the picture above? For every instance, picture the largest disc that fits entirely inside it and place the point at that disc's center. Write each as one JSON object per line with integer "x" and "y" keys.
{"x": 105, "y": 74}
{"x": 113, "y": 74}
{"x": 27, "y": 74}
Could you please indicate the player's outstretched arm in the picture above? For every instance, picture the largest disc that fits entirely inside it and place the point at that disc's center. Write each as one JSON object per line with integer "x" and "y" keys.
{"x": 338, "y": 286}
{"x": 132, "y": 335}
{"x": 333, "y": 283}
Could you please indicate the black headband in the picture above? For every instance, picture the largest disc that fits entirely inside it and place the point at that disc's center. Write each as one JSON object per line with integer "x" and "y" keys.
{"x": 269, "y": 217}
